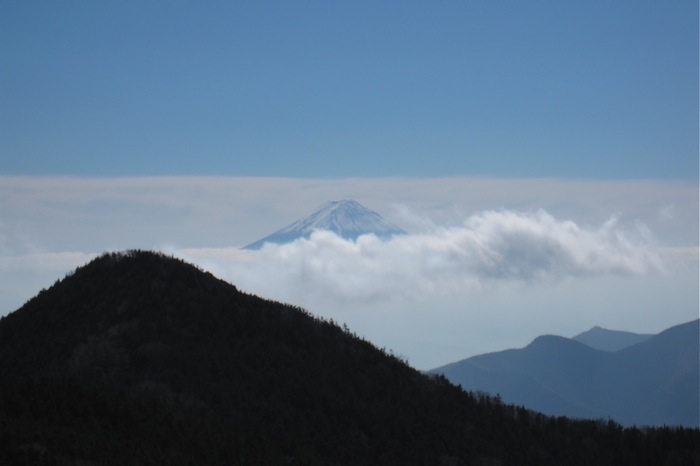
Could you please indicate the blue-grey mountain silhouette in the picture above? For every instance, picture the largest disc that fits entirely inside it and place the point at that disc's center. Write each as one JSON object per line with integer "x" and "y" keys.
{"x": 610, "y": 340}
{"x": 654, "y": 382}
{"x": 346, "y": 218}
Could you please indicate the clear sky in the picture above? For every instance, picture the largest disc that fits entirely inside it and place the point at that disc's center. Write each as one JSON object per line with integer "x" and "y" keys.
{"x": 542, "y": 155}
{"x": 336, "y": 89}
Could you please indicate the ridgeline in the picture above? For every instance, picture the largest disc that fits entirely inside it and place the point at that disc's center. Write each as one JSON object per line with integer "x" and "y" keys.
{"x": 140, "y": 358}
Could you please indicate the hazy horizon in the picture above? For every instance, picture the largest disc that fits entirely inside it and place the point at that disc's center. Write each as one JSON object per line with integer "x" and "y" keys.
{"x": 470, "y": 276}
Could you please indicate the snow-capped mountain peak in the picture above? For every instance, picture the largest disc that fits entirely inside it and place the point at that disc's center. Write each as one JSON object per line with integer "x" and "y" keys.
{"x": 347, "y": 218}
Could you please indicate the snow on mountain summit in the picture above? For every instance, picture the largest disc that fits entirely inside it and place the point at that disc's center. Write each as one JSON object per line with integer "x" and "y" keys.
{"x": 347, "y": 218}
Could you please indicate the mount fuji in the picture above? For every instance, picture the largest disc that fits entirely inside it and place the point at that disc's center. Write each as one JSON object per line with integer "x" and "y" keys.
{"x": 346, "y": 218}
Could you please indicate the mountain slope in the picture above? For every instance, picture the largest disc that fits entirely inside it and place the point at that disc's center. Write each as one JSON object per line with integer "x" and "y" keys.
{"x": 281, "y": 383}
{"x": 664, "y": 370}
{"x": 651, "y": 383}
{"x": 138, "y": 358}
{"x": 346, "y": 218}
{"x": 550, "y": 375}
{"x": 609, "y": 340}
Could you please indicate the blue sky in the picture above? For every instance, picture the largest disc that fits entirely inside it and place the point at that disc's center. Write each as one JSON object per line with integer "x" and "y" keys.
{"x": 354, "y": 89}
{"x": 542, "y": 155}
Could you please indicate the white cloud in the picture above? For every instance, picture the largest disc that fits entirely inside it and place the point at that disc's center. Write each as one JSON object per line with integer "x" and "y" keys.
{"x": 489, "y": 247}
{"x": 495, "y": 281}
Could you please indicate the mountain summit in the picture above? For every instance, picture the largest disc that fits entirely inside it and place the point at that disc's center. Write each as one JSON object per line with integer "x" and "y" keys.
{"x": 610, "y": 340}
{"x": 346, "y": 218}
{"x": 140, "y": 358}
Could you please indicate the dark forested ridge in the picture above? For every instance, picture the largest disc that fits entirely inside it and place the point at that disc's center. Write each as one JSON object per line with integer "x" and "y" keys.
{"x": 139, "y": 358}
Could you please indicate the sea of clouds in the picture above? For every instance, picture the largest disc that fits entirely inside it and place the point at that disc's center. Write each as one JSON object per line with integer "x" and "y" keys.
{"x": 488, "y": 248}
{"x": 492, "y": 280}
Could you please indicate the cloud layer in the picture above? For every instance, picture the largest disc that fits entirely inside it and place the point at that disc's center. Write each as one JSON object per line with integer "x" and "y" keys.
{"x": 461, "y": 284}
{"x": 495, "y": 280}
{"x": 490, "y": 247}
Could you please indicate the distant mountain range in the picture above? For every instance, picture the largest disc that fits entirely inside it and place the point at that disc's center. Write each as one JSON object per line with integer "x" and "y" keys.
{"x": 140, "y": 358}
{"x": 610, "y": 340}
{"x": 631, "y": 378}
{"x": 346, "y": 218}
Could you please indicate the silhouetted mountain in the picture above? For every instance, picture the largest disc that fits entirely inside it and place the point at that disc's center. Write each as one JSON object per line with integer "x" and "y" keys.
{"x": 664, "y": 371}
{"x": 610, "y": 340}
{"x": 347, "y": 218}
{"x": 138, "y": 358}
{"x": 654, "y": 382}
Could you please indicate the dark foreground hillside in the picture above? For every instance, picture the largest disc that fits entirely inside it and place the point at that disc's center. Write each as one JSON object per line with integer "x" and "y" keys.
{"x": 138, "y": 358}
